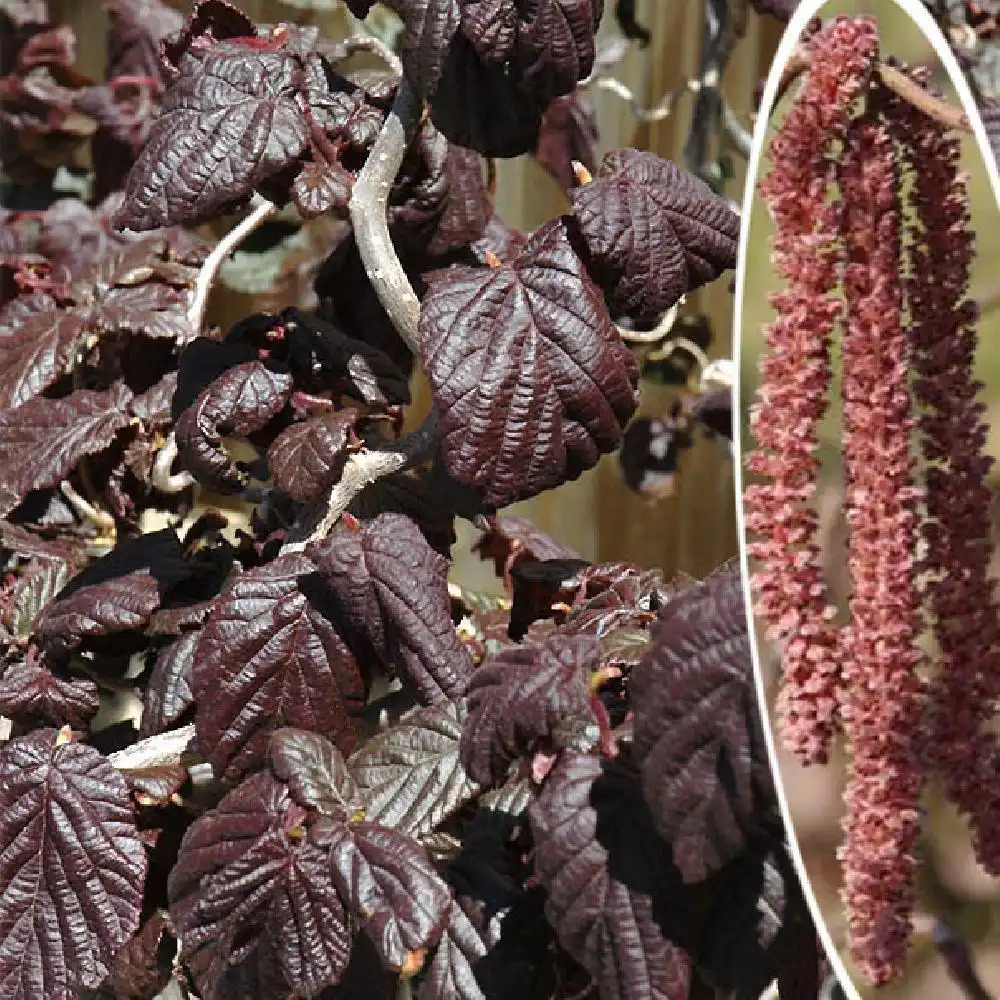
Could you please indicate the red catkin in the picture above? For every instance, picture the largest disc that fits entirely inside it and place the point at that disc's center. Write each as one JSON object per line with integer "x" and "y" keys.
{"x": 883, "y": 692}
{"x": 956, "y": 528}
{"x": 788, "y": 580}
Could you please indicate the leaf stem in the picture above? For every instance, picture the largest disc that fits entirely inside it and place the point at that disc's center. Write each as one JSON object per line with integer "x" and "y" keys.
{"x": 369, "y": 206}
{"x": 206, "y": 276}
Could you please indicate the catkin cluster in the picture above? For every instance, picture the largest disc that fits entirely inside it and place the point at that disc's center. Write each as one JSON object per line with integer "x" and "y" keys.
{"x": 874, "y": 243}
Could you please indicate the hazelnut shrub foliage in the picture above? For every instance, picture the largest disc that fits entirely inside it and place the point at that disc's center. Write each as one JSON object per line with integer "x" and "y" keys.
{"x": 563, "y": 793}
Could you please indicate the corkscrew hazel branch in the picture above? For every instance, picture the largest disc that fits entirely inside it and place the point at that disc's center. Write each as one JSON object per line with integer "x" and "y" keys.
{"x": 894, "y": 79}
{"x": 368, "y": 209}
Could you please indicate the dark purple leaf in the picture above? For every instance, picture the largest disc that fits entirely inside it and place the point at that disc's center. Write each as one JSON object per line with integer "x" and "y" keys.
{"x": 36, "y": 346}
{"x": 491, "y": 26}
{"x": 268, "y": 657}
{"x": 568, "y": 132}
{"x": 175, "y": 621}
{"x": 240, "y": 401}
{"x": 229, "y": 122}
{"x": 529, "y": 376}
{"x": 627, "y": 599}
{"x": 450, "y": 975}
{"x": 391, "y": 591}
{"x": 416, "y": 494}
{"x": 168, "y": 693}
{"x": 117, "y": 593}
{"x": 71, "y": 866}
{"x": 555, "y": 45}
{"x": 391, "y": 887}
{"x": 320, "y": 187}
{"x": 757, "y": 918}
{"x": 26, "y": 544}
{"x": 251, "y": 891}
{"x": 329, "y": 359}
{"x": 135, "y": 30}
{"x": 210, "y": 21}
{"x": 31, "y": 693}
{"x": 608, "y": 877}
{"x": 307, "y": 457}
{"x": 511, "y": 540}
{"x": 697, "y": 733}
{"x": 37, "y": 584}
{"x": 203, "y": 361}
{"x": 484, "y": 106}
{"x": 519, "y": 697}
{"x": 152, "y": 407}
{"x": 143, "y": 968}
{"x": 42, "y": 440}
{"x": 341, "y": 110}
{"x": 157, "y": 784}
{"x": 316, "y": 773}
{"x": 411, "y": 774}
{"x": 428, "y": 28}
{"x": 441, "y": 202}
{"x": 652, "y": 232}
{"x": 154, "y": 310}
{"x": 715, "y": 411}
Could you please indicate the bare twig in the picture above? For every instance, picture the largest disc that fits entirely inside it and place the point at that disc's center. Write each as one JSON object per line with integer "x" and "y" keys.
{"x": 161, "y": 478}
{"x": 895, "y": 80}
{"x": 369, "y": 205}
{"x": 368, "y": 43}
{"x": 956, "y": 953}
{"x": 716, "y": 46}
{"x": 225, "y": 246}
{"x": 100, "y": 518}
{"x": 164, "y": 749}
{"x": 739, "y": 135}
{"x": 663, "y": 326}
{"x": 941, "y": 111}
{"x": 366, "y": 467}
{"x": 657, "y": 112}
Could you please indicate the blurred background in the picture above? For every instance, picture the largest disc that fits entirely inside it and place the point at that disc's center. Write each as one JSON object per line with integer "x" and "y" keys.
{"x": 599, "y": 515}
{"x": 952, "y": 885}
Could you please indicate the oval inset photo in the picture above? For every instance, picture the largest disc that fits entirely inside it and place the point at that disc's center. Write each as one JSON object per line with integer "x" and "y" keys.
{"x": 870, "y": 422}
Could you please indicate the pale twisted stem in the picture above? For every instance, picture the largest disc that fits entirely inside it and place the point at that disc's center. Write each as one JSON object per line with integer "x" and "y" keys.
{"x": 161, "y": 477}
{"x": 162, "y": 750}
{"x": 369, "y": 206}
{"x": 366, "y": 467}
{"x": 369, "y": 43}
{"x": 207, "y": 274}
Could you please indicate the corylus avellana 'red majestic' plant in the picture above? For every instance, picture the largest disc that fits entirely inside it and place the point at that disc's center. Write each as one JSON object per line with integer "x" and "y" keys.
{"x": 898, "y": 293}
{"x": 348, "y": 771}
